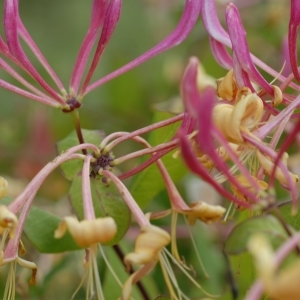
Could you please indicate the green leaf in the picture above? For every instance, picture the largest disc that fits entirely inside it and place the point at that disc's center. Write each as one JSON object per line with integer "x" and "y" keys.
{"x": 292, "y": 220}
{"x": 39, "y": 229}
{"x": 162, "y": 298}
{"x": 148, "y": 183}
{"x": 107, "y": 201}
{"x": 72, "y": 168}
{"x": 237, "y": 241}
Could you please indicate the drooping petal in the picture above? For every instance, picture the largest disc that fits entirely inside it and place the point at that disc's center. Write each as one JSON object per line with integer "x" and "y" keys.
{"x": 182, "y": 30}
{"x": 11, "y": 33}
{"x": 88, "y": 232}
{"x": 111, "y": 19}
{"x": 220, "y": 53}
{"x": 98, "y": 13}
{"x": 196, "y": 167}
{"x": 293, "y": 36}
{"x": 148, "y": 245}
{"x": 237, "y": 35}
{"x": 203, "y": 211}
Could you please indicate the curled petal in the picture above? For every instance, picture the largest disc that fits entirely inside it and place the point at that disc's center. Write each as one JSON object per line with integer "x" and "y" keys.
{"x": 240, "y": 47}
{"x": 186, "y": 24}
{"x": 277, "y": 99}
{"x": 11, "y": 33}
{"x": 245, "y": 183}
{"x": 268, "y": 166}
{"x": 226, "y": 87}
{"x": 8, "y": 220}
{"x": 88, "y": 232}
{"x": 220, "y": 53}
{"x": 204, "y": 212}
{"x": 3, "y": 187}
{"x": 244, "y": 116}
{"x": 134, "y": 278}
{"x": 148, "y": 244}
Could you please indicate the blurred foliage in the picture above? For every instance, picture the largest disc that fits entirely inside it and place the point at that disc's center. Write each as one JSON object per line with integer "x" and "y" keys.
{"x": 29, "y": 131}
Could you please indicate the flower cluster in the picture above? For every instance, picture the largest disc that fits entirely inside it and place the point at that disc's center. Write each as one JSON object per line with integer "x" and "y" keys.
{"x": 228, "y": 136}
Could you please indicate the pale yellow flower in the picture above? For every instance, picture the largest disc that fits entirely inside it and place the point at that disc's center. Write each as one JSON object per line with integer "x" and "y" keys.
{"x": 148, "y": 246}
{"x": 268, "y": 166}
{"x": 88, "y": 232}
{"x": 203, "y": 211}
{"x": 279, "y": 285}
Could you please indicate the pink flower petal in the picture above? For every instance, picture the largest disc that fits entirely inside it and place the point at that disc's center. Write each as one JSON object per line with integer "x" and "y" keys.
{"x": 182, "y": 30}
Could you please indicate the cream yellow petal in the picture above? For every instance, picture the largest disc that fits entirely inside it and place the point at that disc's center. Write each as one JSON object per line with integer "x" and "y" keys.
{"x": 204, "y": 212}
{"x": 226, "y": 87}
{"x": 244, "y": 116}
{"x": 268, "y": 166}
{"x": 148, "y": 244}
{"x": 8, "y": 220}
{"x": 88, "y": 232}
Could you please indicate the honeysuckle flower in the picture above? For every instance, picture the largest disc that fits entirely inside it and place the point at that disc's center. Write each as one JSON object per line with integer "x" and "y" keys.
{"x": 3, "y": 187}
{"x": 238, "y": 123}
{"x": 105, "y": 16}
{"x": 279, "y": 285}
{"x": 9, "y": 253}
{"x": 148, "y": 244}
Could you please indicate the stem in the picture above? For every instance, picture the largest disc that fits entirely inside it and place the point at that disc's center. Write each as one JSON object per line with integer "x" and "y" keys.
{"x": 170, "y": 145}
{"x": 133, "y": 206}
{"x": 88, "y": 207}
{"x": 139, "y": 284}
{"x": 125, "y": 136}
{"x": 75, "y": 115}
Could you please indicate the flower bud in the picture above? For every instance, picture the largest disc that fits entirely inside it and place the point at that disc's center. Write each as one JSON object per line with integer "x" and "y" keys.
{"x": 88, "y": 232}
